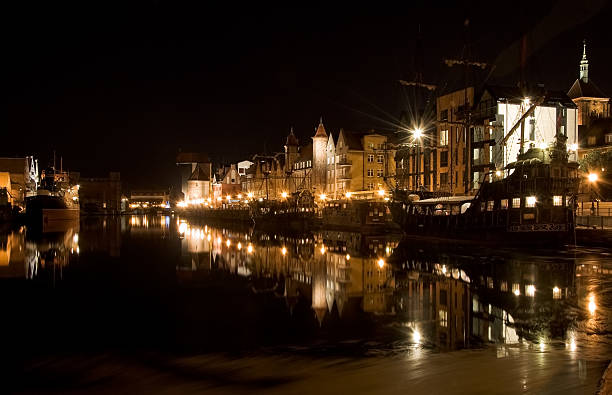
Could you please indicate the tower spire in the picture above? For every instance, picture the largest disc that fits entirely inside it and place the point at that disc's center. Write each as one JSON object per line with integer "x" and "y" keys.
{"x": 584, "y": 64}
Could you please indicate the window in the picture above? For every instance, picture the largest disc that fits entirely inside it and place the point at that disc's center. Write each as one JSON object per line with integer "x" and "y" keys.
{"x": 504, "y": 204}
{"x": 444, "y": 159}
{"x": 309, "y": 163}
{"x": 608, "y": 138}
{"x": 370, "y": 186}
{"x": 482, "y": 206}
{"x": 380, "y": 158}
{"x": 557, "y": 200}
{"x": 556, "y": 293}
{"x": 503, "y": 286}
{"x": 591, "y": 140}
{"x": 443, "y": 138}
{"x": 516, "y": 202}
{"x": 370, "y": 158}
{"x": 443, "y": 315}
{"x": 516, "y": 289}
{"x": 443, "y": 179}
{"x": 371, "y": 145}
{"x": 444, "y": 115}
{"x": 370, "y": 172}
{"x": 530, "y": 201}
{"x": 476, "y": 154}
{"x": 490, "y": 282}
{"x": 379, "y": 172}
{"x": 490, "y": 205}
{"x": 530, "y": 290}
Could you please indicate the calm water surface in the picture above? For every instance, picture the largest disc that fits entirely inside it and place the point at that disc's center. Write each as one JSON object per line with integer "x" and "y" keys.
{"x": 163, "y": 304}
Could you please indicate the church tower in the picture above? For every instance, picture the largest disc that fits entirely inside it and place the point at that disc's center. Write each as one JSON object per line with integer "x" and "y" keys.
{"x": 319, "y": 157}
{"x": 592, "y": 103}
{"x": 291, "y": 151}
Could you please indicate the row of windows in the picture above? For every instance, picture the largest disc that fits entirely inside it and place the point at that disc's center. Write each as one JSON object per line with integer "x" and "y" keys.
{"x": 530, "y": 202}
{"x": 301, "y": 165}
{"x": 379, "y": 158}
{"x": 379, "y": 173}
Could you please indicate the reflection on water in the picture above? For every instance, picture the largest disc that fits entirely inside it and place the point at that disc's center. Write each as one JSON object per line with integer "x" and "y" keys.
{"x": 169, "y": 280}
{"x": 28, "y": 253}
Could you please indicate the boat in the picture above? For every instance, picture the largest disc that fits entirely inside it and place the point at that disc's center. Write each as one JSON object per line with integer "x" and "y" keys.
{"x": 361, "y": 215}
{"x": 533, "y": 204}
{"x": 56, "y": 199}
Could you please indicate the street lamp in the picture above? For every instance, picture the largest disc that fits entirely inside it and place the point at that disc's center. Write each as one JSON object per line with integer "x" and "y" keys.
{"x": 593, "y": 177}
{"x": 417, "y": 134}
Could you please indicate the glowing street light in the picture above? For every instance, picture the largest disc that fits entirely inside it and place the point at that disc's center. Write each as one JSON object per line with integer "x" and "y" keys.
{"x": 322, "y": 196}
{"x": 593, "y": 177}
{"x": 417, "y": 133}
{"x": 284, "y": 251}
{"x": 348, "y": 195}
{"x": 381, "y": 263}
{"x": 284, "y": 195}
{"x": 381, "y": 192}
{"x": 249, "y": 248}
{"x": 250, "y": 195}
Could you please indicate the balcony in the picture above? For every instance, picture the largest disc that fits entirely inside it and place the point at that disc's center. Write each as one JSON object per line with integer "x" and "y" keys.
{"x": 344, "y": 162}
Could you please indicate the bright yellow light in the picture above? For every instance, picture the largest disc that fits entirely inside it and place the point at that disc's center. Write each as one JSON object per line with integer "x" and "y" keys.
{"x": 573, "y": 345}
{"x": 239, "y": 196}
{"x": 573, "y": 147}
{"x": 249, "y": 248}
{"x": 219, "y": 198}
{"x": 322, "y": 250}
{"x": 417, "y": 133}
{"x": 284, "y": 251}
{"x": 530, "y": 291}
{"x": 322, "y": 196}
{"x": 182, "y": 228}
{"x": 208, "y": 237}
{"x": 228, "y": 197}
{"x": 381, "y": 192}
{"x": 348, "y": 257}
{"x": 209, "y": 200}
{"x": 543, "y": 145}
{"x": 416, "y": 336}
{"x": 443, "y": 269}
{"x": 517, "y": 292}
{"x": 219, "y": 240}
{"x": 526, "y": 101}
{"x": 592, "y": 305}
{"x": 381, "y": 263}
{"x": 239, "y": 246}
{"x": 593, "y": 177}
{"x": 498, "y": 173}
{"x": 348, "y": 195}
{"x": 75, "y": 238}
{"x": 531, "y": 201}
{"x": 250, "y": 195}
{"x": 284, "y": 195}
{"x": 228, "y": 243}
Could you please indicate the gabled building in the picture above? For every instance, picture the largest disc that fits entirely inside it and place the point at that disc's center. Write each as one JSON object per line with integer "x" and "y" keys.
{"x": 20, "y": 178}
{"x": 187, "y": 163}
{"x": 199, "y": 184}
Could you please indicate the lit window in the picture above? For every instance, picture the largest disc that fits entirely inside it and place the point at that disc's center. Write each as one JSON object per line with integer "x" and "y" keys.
{"x": 370, "y": 172}
{"x": 557, "y": 200}
{"x": 516, "y": 202}
{"x": 490, "y": 282}
{"x": 556, "y": 293}
{"x": 379, "y": 172}
{"x": 482, "y": 206}
{"x": 370, "y": 158}
{"x": 516, "y": 289}
{"x": 608, "y": 138}
{"x": 380, "y": 159}
{"x": 530, "y": 290}
{"x": 591, "y": 140}
{"x": 443, "y": 315}
{"x": 490, "y": 205}
{"x": 504, "y": 204}
{"x": 503, "y": 286}
{"x": 530, "y": 201}
{"x": 443, "y": 138}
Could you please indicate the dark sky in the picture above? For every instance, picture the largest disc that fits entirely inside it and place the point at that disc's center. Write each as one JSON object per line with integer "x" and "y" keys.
{"x": 121, "y": 86}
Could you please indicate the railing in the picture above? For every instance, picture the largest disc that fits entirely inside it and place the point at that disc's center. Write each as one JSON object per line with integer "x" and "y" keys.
{"x": 344, "y": 162}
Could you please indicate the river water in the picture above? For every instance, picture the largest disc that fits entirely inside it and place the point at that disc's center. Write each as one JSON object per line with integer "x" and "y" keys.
{"x": 165, "y": 304}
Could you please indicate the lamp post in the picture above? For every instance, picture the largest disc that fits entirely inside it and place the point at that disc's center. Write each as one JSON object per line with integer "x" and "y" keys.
{"x": 416, "y": 135}
{"x": 592, "y": 180}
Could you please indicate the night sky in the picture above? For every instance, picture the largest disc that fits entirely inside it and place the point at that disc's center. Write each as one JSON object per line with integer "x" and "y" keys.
{"x": 122, "y": 87}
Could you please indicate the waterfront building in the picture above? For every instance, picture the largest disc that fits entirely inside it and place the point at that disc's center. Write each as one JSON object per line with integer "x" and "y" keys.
{"x": 149, "y": 198}
{"x": 20, "y": 178}
{"x": 507, "y": 121}
{"x": 199, "y": 184}
{"x": 100, "y": 194}
{"x": 319, "y": 158}
{"x": 187, "y": 163}
{"x": 226, "y": 182}
{"x": 265, "y": 179}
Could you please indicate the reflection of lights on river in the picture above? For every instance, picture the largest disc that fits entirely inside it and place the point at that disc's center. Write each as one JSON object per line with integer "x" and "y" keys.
{"x": 208, "y": 237}
{"x": 381, "y": 263}
{"x": 348, "y": 257}
{"x": 443, "y": 269}
{"x": 416, "y": 336}
{"x": 239, "y": 246}
{"x": 322, "y": 250}
{"x": 284, "y": 251}
{"x": 228, "y": 243}
{"x": 182, "y": 227}
{"x": 250, "y": 248}
{"x": 75, "y": 238}
{"x": 572, "y": 345}
{"x": 218, "y": 240}
{"x": 592, "y": 305}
